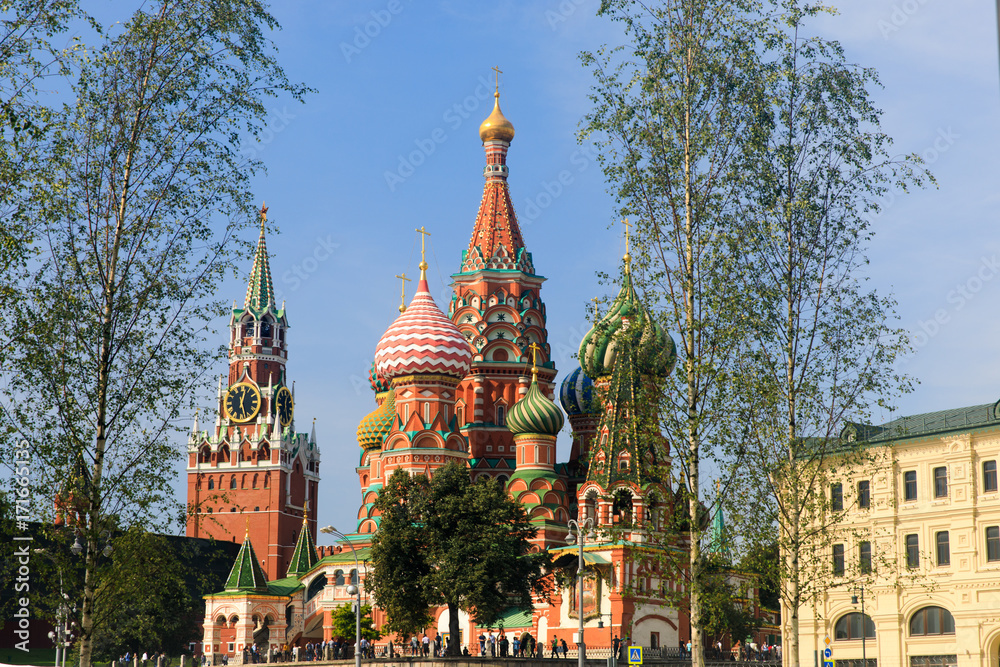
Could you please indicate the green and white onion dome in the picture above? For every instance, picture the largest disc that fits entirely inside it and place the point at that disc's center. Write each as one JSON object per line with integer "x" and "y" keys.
{"x": 627, "y": 316}
{"x": 535, "y": 414}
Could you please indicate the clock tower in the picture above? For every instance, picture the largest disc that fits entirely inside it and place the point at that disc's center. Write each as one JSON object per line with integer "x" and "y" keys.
{"x": 252, "y": 473}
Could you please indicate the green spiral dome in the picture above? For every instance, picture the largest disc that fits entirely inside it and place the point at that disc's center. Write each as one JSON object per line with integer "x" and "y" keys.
{"x": 627, "y": 316}
{"x": 535, "y": 414}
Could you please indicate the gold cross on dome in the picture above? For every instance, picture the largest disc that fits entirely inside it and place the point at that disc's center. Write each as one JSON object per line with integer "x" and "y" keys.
{"x": 423, "y": 250}
{"x": 498, "y": 73}
{"x": 627, "y": 225}
{"x": 596, "y": 300}
{"x": 402, "y": 292}
{"x": 534, "y": 353}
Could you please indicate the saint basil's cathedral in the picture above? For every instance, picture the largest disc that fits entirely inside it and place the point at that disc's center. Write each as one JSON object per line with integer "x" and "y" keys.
{"x": 449, "y": 387}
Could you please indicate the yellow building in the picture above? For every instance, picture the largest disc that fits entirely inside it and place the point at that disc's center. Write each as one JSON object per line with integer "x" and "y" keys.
{"x": 922, "y": 536}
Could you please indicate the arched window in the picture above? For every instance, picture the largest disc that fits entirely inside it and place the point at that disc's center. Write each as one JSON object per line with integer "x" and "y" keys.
{"x": 502, "y": 479}
{"x": 205, "y": 455}
{"x": 354, "y": 577}
{"x": 265, "y": 328}
{"x": 848, "y": 627}
{"x": 211, "y": 483}
{"x": 232, "y": 482}
{"x": 501, "y": 415}
{"x": 255, "y": 481}
{"x": 317, "y": 585}
{"x": 248, "y": 329}
{"x": 224, "y": 456}
{"x": 264, "y": 455}
{"x": 932, "y": 621}
{"x": 339, "y": 580}
{"x": 267, "y": 480}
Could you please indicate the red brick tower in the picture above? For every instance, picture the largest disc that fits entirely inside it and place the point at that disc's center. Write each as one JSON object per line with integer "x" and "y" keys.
{"x": 253, "y": 473}
{"x": 497, "y": 307}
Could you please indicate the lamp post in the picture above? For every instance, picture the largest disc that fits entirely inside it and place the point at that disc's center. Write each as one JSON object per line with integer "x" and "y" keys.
{"x": 62, "y": 634}
{"x": 587, "y": 525}
{"x": 330, "y": 530}
{"x": 864, "y": 622}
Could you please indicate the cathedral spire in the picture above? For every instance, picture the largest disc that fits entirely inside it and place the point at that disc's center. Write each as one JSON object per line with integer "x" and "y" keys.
{"x": 305, "y": 557}
{"x": 260, "y": 290}
{"x": 496, "y": 238}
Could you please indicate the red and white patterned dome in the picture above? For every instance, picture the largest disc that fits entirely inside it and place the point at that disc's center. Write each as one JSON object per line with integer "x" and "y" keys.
{"x": 422, "y": 340}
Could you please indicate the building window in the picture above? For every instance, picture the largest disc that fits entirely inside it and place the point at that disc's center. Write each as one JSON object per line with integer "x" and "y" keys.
{"x": 232, "y": 482}
{"x": 933, "y": 661}
{"x": 989, "y": 476}
{"x": 864, "y": 494}
{"x": 993, "y": 543}
{"x": 354, "y": 577}
{"x": 501, "y": 416}
{"x": 339, "y": 578}
{"x": 849, "y": 627}
{"x": 932, "y": 621}
{"x": 941, "y": 482}
{"x": 838, "y": 560}
{"x": 837, "y": 497}
{"x": 865, "y": 557}
{"x": 211, "y": 483}
{"x": 912, "y": 551}
{"x": 943, "y": 548}
{"x": 460, "y": 416}
{"x": 910, "y": 485}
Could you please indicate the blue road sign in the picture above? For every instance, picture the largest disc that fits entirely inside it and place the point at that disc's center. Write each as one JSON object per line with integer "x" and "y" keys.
{"x": 635, "y": 655}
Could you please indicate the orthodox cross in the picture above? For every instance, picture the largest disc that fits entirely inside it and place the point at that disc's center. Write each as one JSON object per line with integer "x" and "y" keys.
{"x": 402, "y": 293}
{"x": 627, "y": 257}
{"x": 596, "y": 300}
{"x": 534, "y": 360}
{"x": 423, "y": 249}
{"x": 498, "y": 73}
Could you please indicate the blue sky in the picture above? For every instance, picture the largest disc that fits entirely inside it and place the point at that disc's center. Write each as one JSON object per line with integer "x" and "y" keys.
{"x": 389, "y": 142}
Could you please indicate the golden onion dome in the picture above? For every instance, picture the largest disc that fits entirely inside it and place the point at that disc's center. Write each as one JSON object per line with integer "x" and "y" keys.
{"x": 496, "y": 126}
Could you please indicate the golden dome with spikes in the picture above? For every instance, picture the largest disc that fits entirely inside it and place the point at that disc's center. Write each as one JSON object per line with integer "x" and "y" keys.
{"x": 496, "y": 126}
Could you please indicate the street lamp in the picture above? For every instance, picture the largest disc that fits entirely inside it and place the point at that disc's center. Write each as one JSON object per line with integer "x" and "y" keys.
{"x": 587, "y": 526}
{"x": 62, "y": 635}
{"x": 864, "y": 622}
{"x": 351, "y": 590}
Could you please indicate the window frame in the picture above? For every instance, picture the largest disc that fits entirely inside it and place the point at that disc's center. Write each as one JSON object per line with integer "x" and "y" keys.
{"x": 946, "y": 551}
{"x": 909, "y": 478}
{"x": 912, "y": 546}
{"x": 839, "y": 561}
{"x": 837, "y": 497}
{"x": 942, "y": 622}
{"x": 865, "y": 556}
{"x": 993, "y": 544}
{"x": 846, "y": 623}
{"x": 864, "y": 494}
{"x": 990, "y": 476}
{"x": 940, "y": 482}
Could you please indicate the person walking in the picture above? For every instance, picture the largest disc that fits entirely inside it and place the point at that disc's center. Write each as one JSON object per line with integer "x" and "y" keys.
{"x": 555, "y": 647}
{"x": 565, "y": 649}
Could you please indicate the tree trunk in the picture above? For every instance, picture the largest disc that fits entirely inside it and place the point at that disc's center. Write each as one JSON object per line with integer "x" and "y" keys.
{"x": 454, "y": 647}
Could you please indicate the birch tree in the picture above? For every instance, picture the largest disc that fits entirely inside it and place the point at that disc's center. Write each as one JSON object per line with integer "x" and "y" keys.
{"x": 138, "y": 213}
{"x": 672, "y": 113}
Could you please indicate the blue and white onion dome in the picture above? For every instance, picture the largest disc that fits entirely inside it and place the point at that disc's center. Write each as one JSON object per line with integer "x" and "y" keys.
{"x": 577, "y": 394}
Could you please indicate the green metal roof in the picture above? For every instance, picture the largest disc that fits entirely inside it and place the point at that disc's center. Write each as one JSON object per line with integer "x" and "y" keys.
{"x": 247, "y": 574}
{"x": 304, "y": 558}
{"x": 927, "y": 423}
{"x": 515, "y": 618}
{"x": 260, "y": 290}
{"x": 285, "y": 586}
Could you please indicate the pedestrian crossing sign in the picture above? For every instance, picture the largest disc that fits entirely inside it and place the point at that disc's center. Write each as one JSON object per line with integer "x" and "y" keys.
{"x": 635, "y": 655}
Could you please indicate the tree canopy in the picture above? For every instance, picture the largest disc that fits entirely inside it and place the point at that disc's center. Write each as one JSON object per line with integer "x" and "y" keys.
{"x": 453, "y": 542}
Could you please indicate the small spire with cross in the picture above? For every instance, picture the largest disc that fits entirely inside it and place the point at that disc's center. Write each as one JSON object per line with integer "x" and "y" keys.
{"x": 402, "y": 293}
{"x": 534, "y": 360}
{"x": 597, "y": 314}
{"x": 497, "y": 72}
{"x": 423, "y": 252}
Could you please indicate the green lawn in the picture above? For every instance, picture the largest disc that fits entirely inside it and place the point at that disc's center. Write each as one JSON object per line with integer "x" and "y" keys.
{"x": 46, "y": 657}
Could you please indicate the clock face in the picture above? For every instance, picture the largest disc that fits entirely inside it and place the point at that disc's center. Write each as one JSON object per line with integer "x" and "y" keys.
{"x": 285, "y": 405}
{"x": 242, "y": 402}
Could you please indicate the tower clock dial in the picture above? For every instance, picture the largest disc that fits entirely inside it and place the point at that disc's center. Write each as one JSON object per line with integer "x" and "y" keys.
{"x": 286, "y": 406}
{"x": 242, "y": 402}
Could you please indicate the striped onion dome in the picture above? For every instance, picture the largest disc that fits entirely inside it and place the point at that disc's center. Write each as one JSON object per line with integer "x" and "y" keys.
{"x": 534, "y": 414}
{"x": 377, "y": 424}
{"x": 627, "y": 312}
{"x": 379, "y": 384}
{"x": 577, "y": 394}
{"x": 422, "y": 340}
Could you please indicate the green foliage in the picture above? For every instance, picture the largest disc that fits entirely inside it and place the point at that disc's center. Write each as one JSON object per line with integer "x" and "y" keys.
{"x": 137, "y": 210}
{"x": 727, "y": 602}
{"x": 345, "y": 623}
{"x": 451, "y": 542}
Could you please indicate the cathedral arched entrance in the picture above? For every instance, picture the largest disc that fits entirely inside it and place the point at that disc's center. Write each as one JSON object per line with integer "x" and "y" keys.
{"x": 463, "y": 626}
